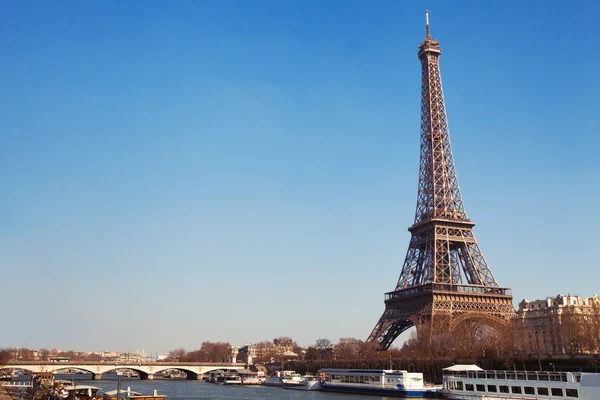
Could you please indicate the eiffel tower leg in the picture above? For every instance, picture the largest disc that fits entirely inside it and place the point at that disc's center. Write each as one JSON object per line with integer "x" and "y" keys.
{"x": 387, "y": 330}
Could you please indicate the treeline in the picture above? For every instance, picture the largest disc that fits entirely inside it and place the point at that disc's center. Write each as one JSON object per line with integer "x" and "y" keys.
{"x": 219, "y": 352}
{"x": 24, "y": 354}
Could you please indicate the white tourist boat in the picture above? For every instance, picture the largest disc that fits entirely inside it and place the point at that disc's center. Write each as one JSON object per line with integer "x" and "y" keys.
{"x": 278, "y": 378}
{"x": 230, "y": 378}
{"x": 391, "y": 383}
{"x": 306, "y": 382}
{"x": 469, "y": 382}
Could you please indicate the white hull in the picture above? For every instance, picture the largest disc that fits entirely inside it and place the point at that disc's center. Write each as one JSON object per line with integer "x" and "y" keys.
{"x": 273, "y": 381}
{"x": 519, "y": 385}
{"x": 303, "y": 385}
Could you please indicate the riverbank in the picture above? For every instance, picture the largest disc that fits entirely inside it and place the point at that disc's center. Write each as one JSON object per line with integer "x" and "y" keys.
{"x": 4, "y": 394}
{"x": 13, "y": 394}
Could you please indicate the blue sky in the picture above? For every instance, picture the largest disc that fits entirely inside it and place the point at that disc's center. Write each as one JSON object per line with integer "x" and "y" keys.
{"x": 180, "y": 172}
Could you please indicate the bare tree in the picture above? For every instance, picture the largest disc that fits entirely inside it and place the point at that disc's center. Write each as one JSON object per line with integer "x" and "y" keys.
{"x": 44, "y": 354}
{"x": 348, "y": 349}
{"x": 5, "y": 357}
{"x": 216, "y": 352}
{"x": 177, "y": 355}
{"x": 573, "y": 330}
{"x": 591, "y": 333}
{"x": 322, "y": 343}
{"x": 312, "y": 354}
{"x": 368, "y": 351}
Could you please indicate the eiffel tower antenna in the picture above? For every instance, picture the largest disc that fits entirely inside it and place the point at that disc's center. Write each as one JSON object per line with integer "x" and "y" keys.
{"x": 445, "y": 277}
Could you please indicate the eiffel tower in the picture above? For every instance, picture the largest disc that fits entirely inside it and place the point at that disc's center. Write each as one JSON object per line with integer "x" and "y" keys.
{"x": 445, "y": 279}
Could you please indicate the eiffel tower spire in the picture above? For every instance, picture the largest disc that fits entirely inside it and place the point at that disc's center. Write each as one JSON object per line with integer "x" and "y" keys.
{"x": 444, "y": 272}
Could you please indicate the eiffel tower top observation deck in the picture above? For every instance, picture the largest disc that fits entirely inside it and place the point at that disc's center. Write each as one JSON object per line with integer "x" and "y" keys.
{"x": 445, "y": 276}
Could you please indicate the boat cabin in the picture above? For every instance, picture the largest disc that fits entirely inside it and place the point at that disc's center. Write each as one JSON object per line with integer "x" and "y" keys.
{"x": 397, "y": 379}
{"x": 81, "y": 392}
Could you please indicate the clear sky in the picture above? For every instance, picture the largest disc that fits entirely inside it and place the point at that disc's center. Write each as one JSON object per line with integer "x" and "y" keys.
{"x": 180, "y": 172}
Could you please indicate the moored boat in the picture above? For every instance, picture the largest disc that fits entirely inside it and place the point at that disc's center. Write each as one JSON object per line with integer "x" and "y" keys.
{"x": 469, "y": 382}
{"x": 82, "y": 392}
{"x": 272, "y": 381}
{"x": 306, "y": 382}
{"x": 230, "y": 378}
{"x": 279, "y": 377}
{"x": 132, "y": 395}
{"x": 392, "y": 383}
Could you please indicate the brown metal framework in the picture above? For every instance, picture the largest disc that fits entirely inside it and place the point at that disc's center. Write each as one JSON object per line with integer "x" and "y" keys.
{"x": 445, "y": 276}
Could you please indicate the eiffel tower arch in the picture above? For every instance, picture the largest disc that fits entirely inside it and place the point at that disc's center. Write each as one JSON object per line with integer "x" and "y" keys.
{"x": 445, "y": 279}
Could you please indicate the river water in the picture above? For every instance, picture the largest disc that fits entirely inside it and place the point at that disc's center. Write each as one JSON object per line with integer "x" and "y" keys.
{"x": 200, "y": 390}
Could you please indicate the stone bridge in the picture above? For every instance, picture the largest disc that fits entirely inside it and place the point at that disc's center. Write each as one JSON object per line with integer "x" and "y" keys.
{"x": 146, "y": 370}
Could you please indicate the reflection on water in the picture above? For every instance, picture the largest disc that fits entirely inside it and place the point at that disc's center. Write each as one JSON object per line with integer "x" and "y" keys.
{"x": 200, "y": 390}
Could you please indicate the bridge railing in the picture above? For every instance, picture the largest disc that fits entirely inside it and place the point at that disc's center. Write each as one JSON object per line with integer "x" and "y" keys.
{"x": 120, "y": 363}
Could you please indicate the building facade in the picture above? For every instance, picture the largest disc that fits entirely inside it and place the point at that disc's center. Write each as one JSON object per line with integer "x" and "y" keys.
{"x": 561, "y": 325}
{"x": 266, "y": 351}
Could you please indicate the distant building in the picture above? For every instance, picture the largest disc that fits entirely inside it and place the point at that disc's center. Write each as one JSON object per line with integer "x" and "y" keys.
{"x": 556, "y": 325}
{"x": 265, "y": 351}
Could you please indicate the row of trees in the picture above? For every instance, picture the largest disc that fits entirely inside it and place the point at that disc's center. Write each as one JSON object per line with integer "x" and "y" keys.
{"x": 581, "y": 330}
{"x": 24, "y": 354}
{"x": 208, "y": 352}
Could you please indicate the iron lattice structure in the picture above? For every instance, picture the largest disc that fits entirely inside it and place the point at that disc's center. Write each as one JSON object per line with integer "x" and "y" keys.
{"x": 445, "y": 277}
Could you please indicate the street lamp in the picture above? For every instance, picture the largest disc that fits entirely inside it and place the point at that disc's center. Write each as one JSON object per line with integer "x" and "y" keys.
{"x": 553, "y": 367}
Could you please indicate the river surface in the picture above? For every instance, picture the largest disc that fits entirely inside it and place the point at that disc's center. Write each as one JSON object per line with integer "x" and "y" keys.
{"x": 200, "y": 390}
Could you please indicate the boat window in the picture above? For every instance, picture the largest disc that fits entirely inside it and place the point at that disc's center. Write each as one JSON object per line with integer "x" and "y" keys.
{"x": 492, "y": 388}
{"x": 516, "y": 389}
{"x": 376, "y": 378}
{"x": 459, "y": 385}
{"x": 472, "y": 374}
{"x": 543, "y": 376}
{"x": 500, "y": 375}
{"x": 578, "y": 378}
{"x": 557, "y": 392}
{"x": 521, "y": 376}
{"x": 503, "y": 389}
{"x": 531, "y": 376}
{"x": 481, "y": 375}
{"x": 481, "y": 388}
{"x": 554, "y": 377}
{"x": 563, "y": 376}
{"x": 542, "y": 391}
{"x": 571, "y": 393}
{"x": 469, "y": 387}
{"x": 529, "y": 390}
{"x": 491, "y": 375}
